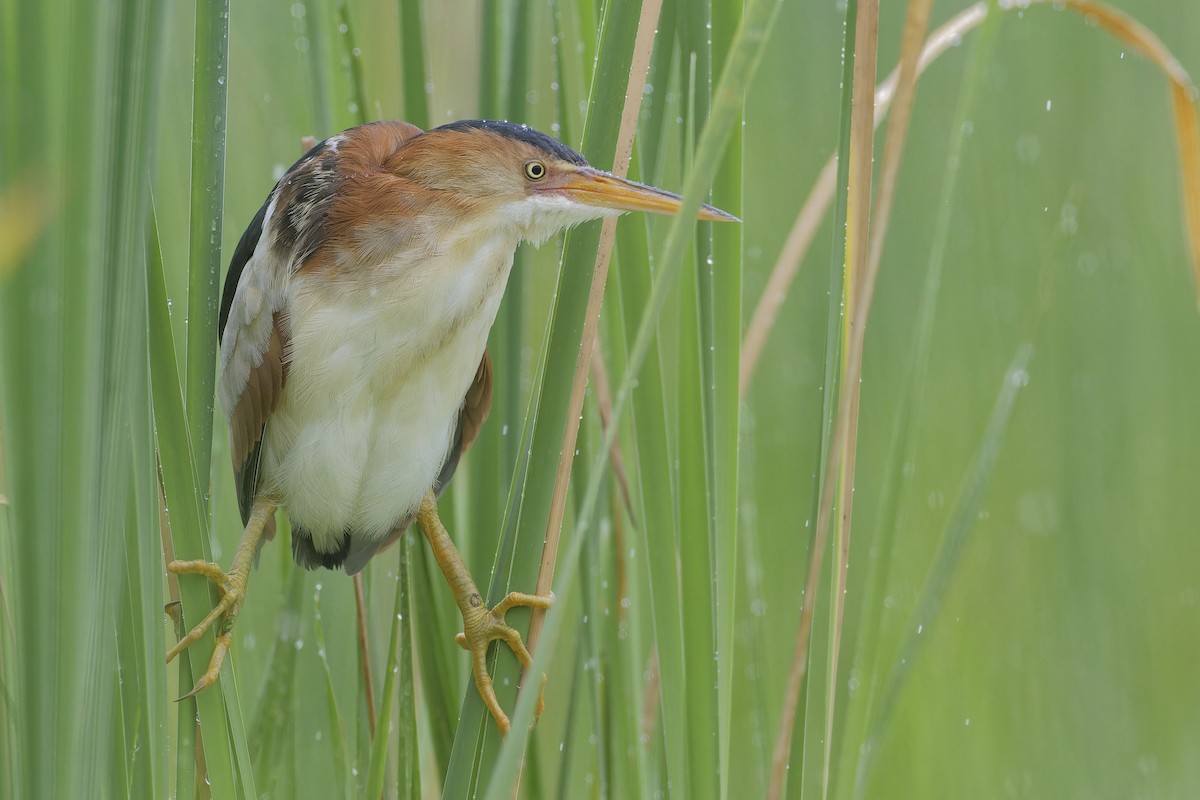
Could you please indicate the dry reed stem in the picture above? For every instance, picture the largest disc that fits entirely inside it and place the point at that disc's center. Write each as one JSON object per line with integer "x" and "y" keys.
{"x": 860, "y": 239}
{"x": 604, "y": 403}
{"x": 841, "y": 452}
{"x": 784, "y": 272}
{"x": 638, "y": 68}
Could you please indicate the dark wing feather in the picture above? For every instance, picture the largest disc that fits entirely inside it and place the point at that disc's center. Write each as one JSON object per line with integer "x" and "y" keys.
{"x": 241, "y": 255}
{"x": 476, "y": 407}
{"x": 258, "y": 400}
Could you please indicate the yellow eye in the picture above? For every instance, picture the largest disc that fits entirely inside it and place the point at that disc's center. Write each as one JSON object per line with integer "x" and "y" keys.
{"x": 535, "y": 170}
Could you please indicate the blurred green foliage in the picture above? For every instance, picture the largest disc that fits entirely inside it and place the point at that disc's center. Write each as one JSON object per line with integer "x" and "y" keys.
{"x": 1061, "y": 661}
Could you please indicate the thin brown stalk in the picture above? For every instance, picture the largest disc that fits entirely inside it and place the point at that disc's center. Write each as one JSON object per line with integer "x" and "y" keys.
{"x": 1187, "y": 131}
{"x": 857, "y": 236}
{"x": 784, "y": 272}
{"x": 1183, "y": 103}
{"x": 916, "y": 23}
{"x": 604, "y": 403}
{"x": 638, "y": 68}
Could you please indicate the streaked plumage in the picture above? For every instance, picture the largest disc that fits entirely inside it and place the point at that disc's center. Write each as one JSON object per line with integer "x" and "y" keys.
{"x": 353, "y": 328}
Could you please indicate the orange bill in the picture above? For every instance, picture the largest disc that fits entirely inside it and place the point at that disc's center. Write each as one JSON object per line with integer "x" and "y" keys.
{"x": 596, "y": 188}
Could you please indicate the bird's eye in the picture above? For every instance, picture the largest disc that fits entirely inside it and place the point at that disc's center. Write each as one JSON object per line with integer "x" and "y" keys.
{"x": 535, "y": 170}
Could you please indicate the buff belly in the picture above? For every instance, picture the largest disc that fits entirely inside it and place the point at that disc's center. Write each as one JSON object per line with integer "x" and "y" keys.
{"x": 374, "y": 389}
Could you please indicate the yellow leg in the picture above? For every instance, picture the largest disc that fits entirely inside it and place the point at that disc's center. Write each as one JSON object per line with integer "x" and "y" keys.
{"x": 480, "y": 626}
{"x": 232, "y": 586}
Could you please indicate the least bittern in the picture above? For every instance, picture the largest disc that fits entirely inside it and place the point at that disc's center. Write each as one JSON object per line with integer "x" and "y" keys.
{"x": 353, "y": 326}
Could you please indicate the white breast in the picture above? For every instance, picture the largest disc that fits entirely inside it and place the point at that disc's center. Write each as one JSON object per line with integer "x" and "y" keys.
{"x": 378, "y": 369}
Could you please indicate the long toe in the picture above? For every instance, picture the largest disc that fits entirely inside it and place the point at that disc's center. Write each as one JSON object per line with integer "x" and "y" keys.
{"x": 222, "y": 608}
{"x": 480, "y": 629}
{"x": 232, "y": 587}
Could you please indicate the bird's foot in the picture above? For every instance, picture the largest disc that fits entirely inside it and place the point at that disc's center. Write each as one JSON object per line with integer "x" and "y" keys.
{"x": 232, "y": 586}
{"x": 480, "y": 628}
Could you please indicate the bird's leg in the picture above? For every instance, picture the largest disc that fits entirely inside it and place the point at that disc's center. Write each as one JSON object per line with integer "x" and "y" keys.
{"x": 231, "y": 585}
{"x": 480, "y": 626}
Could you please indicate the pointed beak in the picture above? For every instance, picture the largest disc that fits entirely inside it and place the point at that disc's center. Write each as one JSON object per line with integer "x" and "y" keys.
{"x": 596, "y": 188}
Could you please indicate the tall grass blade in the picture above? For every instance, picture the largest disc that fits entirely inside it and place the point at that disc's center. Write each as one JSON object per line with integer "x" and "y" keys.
{"x": 206, "y": 712}
{"x": 209, "y": 123}
{"x": 858, "y": 290}
{"x": 337, "y": 726}
{"x": 726, "y": 276}
{"x": 72, "y": 322}
{"x": 273, "y": 728}
{"x": 697, "y": 496}
{"x": 317, "y": 59}
{"x": 829, "y": 396}
{"x": 360, "y": 111}
{"x": 954, "y": 540}
{"x": 656, "y": 506}
{"x": 412, "y": 58}
{"x": 902, "y": 445}
{"x": 408, "y": 763}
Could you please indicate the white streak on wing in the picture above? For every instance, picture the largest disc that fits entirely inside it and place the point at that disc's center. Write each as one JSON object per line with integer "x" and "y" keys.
{"x": 260, "y": 293}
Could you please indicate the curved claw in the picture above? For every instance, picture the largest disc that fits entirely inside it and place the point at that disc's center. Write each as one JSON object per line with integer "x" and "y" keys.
{"x": 480, "y": 626}
{"x": 231, "y": 585}
{"x": 480, "y": 629}
{"x": 227, "y": 608}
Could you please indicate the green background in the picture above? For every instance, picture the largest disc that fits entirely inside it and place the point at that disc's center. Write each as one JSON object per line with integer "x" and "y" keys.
{"x": 1061, "y": 661}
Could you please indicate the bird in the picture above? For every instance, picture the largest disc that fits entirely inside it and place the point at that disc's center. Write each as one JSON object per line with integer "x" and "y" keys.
{"x": 353, "y": 328}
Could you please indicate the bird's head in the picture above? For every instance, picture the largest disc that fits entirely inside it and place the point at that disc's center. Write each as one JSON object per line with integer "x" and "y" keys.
{"x": 517, "y": 177}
